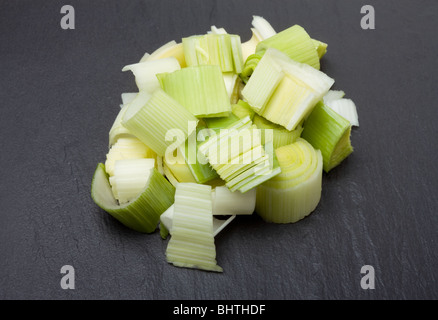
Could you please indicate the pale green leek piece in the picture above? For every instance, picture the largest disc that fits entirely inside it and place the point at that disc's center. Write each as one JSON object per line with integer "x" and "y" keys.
{"x": 192, "y": 242}
{"x": 143, "y": 212}
{"x": 151, "y": 116}
{"x": 199, "y": 89}
{"x": 296, "y": 191}
{"x": 329, "y": 132}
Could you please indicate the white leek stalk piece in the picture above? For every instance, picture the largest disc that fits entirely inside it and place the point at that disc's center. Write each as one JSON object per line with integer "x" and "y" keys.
{"x": 262, "y": 30}
{"x": 170, "y": 49}
{"x": 346, "y": 108}
{"x": 218, "y": 224}
{"x": 285, "y": 91}
{"x": 169, "y": 175}
{"x": 130, "y": 177}
{"x": 146, "y": 72}
{"x": 333, "y": 95}
{"x": 141, "y": 213}
{"x": 199, "y": 89}
{"x": 151, "y": 117}
{"x": 263, "y": 27}
{"x": 127, "y": 148}
{"x": 296, "y": 191}
{"x": 226, "y": 202}
{"x": 127, "y": 97}
{"x": 192, "y": 242}
{"x": 118, "y": 130}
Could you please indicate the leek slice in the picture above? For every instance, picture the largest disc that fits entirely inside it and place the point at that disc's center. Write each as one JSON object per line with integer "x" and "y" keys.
{"x": 262, "y": 30}
{"x": 200, "y": 89}
{"x": 223, "y": 50}
{"x": 127, "y": 97}
{"x": 321, "y": 47}
{"x": 143, "y": 212}
{"x": 170, "y": 49}
{"x": 285, "y": 91}
{"x": 296, "y": 191}
{"x": 145, "y": 72}
{"x": 192, "y": 241}
{"x": 118, "y": 130}
{"x": 242, "y": 109}
{"x": 151, "y": 117}
{"x": 167, "y": 221}
{"x": 329, "y": 132}
{"x": 179, "y": 168}
{"x": 281, "y": 136}
{"x": 226, "y": 202}
{"x": 250, "y": 64}
{"x": 333, "y": 95}
{"x": 202, "y": 172}
{"x": 130, "y": 177}
{"x": 127, "y": 148}
{"x": 238, "y": 157}
{"x": 346, "y": 108}
{"x": 263, "y": 27}
{"x": 296, "y": 43}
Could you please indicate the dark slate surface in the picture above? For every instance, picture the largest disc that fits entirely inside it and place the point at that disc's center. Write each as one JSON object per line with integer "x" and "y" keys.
{"x": 60, "y": 92}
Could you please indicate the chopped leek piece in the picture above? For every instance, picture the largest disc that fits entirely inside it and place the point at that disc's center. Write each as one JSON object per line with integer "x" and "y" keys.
{"x": 149, "y": 118}
{"x": 169, "y": 175}
{"x": 296, "y": 191}
{"x": 118, "y": 130}
{"x": 127, "y": 97}
{"x": 127, "y": 148}
{"x": 142, "y": 213}
{"x": 285, "y": 91}
{"x": 235, "y": 203}
{"x": 192, "y": 242}
{"x": 250, "y": 64}
{"x": 237, "y": 155}
{"x": 295, "y": 43}
{"x": 329, "y": 132}
{"x": 130, "y": 177}
{"x": 345, "y": 108}
{"x": 281, "y": 136}
{"x": 145, "y": 72}
{"x": 321, "y": 47}
{"x": 167, "y": 222}
{"x": 333, "y": 95}
{"x": 223, "y": 50}
{"x": 202, "y": 172}
{"x": 170, "y": 49}
{"x": 200, "y": 89}
{"x": 220, "y": 123}
{"x": 263, "y": 27}
{"x": 262, "y": 30}
{"x": 230, "y": 80}
{"x": 179, "y": 167}
{"x": 242, "y": 109}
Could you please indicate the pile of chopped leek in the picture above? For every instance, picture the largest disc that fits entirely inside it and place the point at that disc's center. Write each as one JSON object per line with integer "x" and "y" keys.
{"x": 220, "y": 128}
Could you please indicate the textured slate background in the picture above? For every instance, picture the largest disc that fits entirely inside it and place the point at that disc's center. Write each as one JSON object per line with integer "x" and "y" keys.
{"x": 60, "y": 92}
